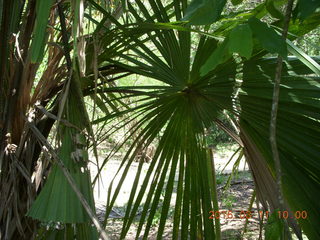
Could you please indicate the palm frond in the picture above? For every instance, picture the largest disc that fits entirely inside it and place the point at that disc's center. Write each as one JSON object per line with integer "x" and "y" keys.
{"x": 297, "y": 133}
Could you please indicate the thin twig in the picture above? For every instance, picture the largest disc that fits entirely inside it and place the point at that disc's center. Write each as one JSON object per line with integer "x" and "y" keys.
{"x": 260, "y": 218}
{"x": 249, "y": 210}
{"x": 274, "y": 111}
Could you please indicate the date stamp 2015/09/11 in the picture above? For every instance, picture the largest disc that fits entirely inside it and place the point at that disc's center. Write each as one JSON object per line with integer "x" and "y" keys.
{"x": 242, "y": 214}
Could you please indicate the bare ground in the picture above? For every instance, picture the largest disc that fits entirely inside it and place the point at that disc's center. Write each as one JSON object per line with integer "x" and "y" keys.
{"x": 235, "y": 200}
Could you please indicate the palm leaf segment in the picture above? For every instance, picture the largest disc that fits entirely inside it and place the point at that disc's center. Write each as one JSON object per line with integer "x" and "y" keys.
{"x": 298, "y": 138}
{"x": 57, "y": 201}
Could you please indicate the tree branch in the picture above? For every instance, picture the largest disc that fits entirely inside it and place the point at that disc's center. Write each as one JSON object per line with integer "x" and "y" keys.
{"x": 274, "y": 111}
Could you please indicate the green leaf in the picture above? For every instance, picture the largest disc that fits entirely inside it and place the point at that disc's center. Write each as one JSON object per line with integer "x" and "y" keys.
{"x": 268, "y": 37}
{"x": 39, "y": 34}
{"x": 306, "y": 7}
{"x": 240, "y": 41}
{"x": 274, "y": 12}
{"x": 236, "y": 2}
{"x": 274, "y": 227}
{"x": 297, "y": 132}
{"x": 303, "y": 57}
{"x": 202, "y": 12}
{"x": 217, "y": 57}
{"x": 57, "y": 202}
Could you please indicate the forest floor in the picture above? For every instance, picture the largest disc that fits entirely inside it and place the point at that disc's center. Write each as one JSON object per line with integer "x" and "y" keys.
{"x": 235, "y": 199}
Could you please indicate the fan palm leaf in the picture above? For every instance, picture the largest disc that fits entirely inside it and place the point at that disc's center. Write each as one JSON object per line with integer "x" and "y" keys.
{"x": 57, "y": 201}
{"x": 297, "y": 132}
{"x": 182, "y": 108}
{"x": 194, "y": 99}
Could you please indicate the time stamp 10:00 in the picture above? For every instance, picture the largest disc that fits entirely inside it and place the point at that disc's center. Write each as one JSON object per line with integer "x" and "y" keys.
{"x": 229, "y": 214}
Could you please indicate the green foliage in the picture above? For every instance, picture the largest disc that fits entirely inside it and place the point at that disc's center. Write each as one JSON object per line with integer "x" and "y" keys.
{"x": 228, "y": 201}
{"x": 203, "y": 12}
{"x": 217, "y": 136}
{"x": 305, "y": 8}
{"x": 240, "y": 41}
{"x": 268, "y": 37}
{"x": 298, "y": 109}
{"x": 274, "y": 227}
{"x": 273, "y": 10}
{"x": 190, "y": 101}
{"x": 194, "y": 80}
{"x": 236, "y": 2}
{"x": 220, "y": 55}
{"x": 40, "y": 31}
{"x": 220, "y": 178}
{"x": 57, "y": 201}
